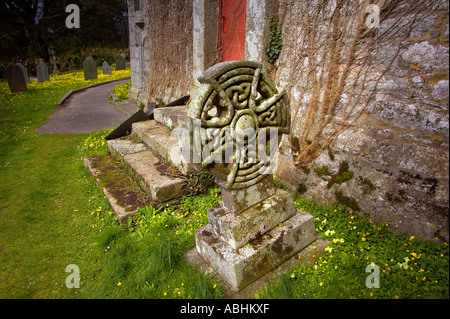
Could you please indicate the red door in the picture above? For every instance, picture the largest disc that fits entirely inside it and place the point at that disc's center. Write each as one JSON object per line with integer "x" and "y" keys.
{"x": 232, "y": 15}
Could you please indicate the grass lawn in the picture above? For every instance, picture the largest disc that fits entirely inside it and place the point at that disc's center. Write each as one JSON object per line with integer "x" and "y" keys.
{"x": 45, "y": 193}
{"x": 52, "y": 215}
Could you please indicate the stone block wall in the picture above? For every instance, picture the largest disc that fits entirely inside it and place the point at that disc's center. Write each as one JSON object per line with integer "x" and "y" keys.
{"x": 138, "y": 23}
{"x": 396, "y": 155}
{"x": 160, "y": 50}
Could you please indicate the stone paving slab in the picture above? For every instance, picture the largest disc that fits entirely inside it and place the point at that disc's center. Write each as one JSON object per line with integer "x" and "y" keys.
{"x": 238, "y": 229}
{"x": 158, "y": 137}
{"x": 124, "y": 194}
{"x": 173, "y": 116}
{"x": 305, "y": 256}
{"x": 119, "y": 147}
{"x": 241, "y": 267}
{"x": 161, "y": 187}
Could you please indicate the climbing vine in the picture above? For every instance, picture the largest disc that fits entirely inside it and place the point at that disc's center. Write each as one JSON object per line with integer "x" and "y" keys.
{"x": 169, "y": 35}
{"x": 330, "y": 64}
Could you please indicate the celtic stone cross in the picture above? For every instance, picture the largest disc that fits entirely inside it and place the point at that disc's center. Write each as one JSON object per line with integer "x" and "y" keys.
{"x": 240, "y": 117}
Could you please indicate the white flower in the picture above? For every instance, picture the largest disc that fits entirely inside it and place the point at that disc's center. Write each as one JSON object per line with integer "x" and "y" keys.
{"x": 329, "y": 232}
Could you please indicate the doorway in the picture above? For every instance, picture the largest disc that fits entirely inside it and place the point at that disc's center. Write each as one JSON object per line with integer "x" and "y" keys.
{"x": 232, "y": 27}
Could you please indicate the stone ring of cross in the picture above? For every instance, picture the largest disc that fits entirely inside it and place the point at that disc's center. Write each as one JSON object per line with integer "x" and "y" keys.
{"x": 242, "y": 116}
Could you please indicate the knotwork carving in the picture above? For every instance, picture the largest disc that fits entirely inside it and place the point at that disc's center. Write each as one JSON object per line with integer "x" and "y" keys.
{"x": 242, "y": 117}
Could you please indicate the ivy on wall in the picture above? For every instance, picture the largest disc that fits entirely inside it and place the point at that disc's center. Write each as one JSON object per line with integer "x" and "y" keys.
{"x": 275, "y": 43}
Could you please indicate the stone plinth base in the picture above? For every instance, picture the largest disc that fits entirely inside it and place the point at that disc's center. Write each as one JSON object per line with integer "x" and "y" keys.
{"x": 241, "y": 266}
{"x": 239, "y": 200}
{"x": 239, "y": 229}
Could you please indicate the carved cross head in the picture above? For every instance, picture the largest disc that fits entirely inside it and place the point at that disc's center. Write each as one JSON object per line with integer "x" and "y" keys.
{"x": 242, "y": 117}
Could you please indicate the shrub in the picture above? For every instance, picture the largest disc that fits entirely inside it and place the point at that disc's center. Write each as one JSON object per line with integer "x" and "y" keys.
{"x": 121, "y": 91}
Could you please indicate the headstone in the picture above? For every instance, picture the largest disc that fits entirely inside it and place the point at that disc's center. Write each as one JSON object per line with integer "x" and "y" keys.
{"x": 42, "y": 72}
{"x": 16, "y": 79}
{"x": 120, "y": 62}
{"x": 24, "y": 71}
{"x": 90, "y": 69}
{"x": 55, "y": 69}
{"x": 256, "y": 227}
{"x": 106, "y": 69}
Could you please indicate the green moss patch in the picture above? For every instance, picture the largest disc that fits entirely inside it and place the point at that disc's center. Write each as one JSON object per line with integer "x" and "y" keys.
{"x": 341, "y": 176}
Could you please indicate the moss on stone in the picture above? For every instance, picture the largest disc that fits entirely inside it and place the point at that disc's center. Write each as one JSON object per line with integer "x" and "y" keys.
{"x": 136, "y": 138}
{"x": 346, "y": 201}
{"x": 115, "y": 178}
{"x": 367, "y": 186}
{"x": 295, "y": 144}
{"x": 330, "y": 153}
{"x": 305, "y": 169}
{"x": 279, "y": 184}
{"x": 322, "y": 170}
{"x": 300, "y": 190}
{"x": 341, "y": 176}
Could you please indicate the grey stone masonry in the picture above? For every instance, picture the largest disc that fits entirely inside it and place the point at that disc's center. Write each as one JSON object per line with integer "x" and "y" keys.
{"x": 25, "y": 72}
{"x": 90, "y": 69}
{"x": 16, "y": 79}
{"x": 42, "y": 72}
{"x": 120, "y": 62}
{"x": 106, "y": 69}
{"x": 160, "y": 139}
{"x": 141, "y": 163}
{"x": 240, "y": 267}
{"x": 256, "y": 227}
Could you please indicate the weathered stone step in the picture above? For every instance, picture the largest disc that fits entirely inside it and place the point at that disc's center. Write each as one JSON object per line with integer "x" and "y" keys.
{"x": 147, "y": 170}
{"x": 171, "y": 117}
{"x": 122, "y": 192}
{"x": 159, "y": 138}
{"x": 243, "y": 266}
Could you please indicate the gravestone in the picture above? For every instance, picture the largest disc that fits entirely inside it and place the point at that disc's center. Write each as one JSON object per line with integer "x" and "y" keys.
{"x": 15, "y": 78}
{"x": 238, "y": 118}
{"x": 106, "y": 69}
{"x": 55, "y": 69}
{"x": 90, "y": 69}
{"x": 120, "y": 62}
{"x": 25, "y": 72}
{"x": 42, "y": 72}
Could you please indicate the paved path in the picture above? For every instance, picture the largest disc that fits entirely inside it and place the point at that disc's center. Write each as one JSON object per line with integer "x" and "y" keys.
{"x": 89, "y": 111}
